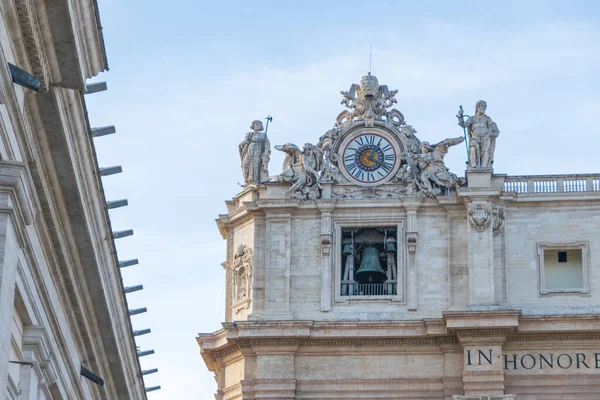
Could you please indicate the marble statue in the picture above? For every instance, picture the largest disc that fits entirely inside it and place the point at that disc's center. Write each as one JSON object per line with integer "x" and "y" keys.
{"x": 431, "y": 168}
{"x": 255, "y": 152}
{"x": 413, "y": 143}
{"x": 328, "y": 170}
{"x": 482, "y": 133}
{"x": 301, "y": 169}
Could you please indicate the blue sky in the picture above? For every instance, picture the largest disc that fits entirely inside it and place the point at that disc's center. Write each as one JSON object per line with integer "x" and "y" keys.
{"x": 187, "y": 77}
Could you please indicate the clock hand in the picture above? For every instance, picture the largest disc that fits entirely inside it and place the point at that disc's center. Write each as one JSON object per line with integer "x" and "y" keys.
{"x": 370, "y": 157}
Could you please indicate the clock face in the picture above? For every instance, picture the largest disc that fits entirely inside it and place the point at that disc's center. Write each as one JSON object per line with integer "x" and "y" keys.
{"x": 369, "y": 158}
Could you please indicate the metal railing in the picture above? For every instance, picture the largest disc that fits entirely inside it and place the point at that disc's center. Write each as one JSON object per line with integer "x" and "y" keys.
{"x": 369, "y": 289}
{"x": 553, "y": 183}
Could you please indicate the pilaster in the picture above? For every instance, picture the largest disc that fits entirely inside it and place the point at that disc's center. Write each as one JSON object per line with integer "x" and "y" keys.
{"x": 277, "y": 267}
{"x": 482, "y": 336}
{"x": 479, "y": 197}
{"x": 412, "y": 205}
{"x": 326, "y": 209}
{"x": 18, "y": 207}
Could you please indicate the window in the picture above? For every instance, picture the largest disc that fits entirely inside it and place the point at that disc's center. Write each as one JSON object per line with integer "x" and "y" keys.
{"x": 369, "y": 261}
{"x": 563, "y": 268}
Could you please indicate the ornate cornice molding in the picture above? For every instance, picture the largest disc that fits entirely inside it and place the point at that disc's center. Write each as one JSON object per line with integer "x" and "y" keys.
{"x": 559, "y": 337}
{"x": 32, "y": 39}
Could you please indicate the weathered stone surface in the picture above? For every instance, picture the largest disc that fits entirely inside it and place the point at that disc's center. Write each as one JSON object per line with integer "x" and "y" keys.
{"x": 469, "y": 319}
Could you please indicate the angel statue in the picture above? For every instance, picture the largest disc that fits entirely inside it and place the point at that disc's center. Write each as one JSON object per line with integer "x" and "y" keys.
{"x": 301, "y": 169}
{"x": 255, "y": 152}
{"x": 431, "y": 167}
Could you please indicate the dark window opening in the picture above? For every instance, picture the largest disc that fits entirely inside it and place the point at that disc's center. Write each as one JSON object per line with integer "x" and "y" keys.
{"x": 562, "y": 256}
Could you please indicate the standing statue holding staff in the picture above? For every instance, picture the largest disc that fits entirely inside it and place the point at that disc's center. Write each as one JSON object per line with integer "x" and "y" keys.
{"x": 482, "y": 133}
{"x": 255, "y": 152}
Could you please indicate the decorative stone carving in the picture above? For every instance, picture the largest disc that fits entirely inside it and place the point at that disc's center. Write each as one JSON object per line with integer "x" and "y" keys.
{"x": 430, "y": 167}
{"x": 329, "y": 172}
{"x": 242, "y": 274}
{"x": 498, "y": 219}
{"x": 486, "y": 397}
{"x": 417, "y": 167}
{"x": 255, "y": 152}
{"x": 301, "y": 169}
{"x": 412, "y": 141}
{"x": 482, "y": 133}
{"x": 381, "y": 192}
{"x": 369, "y": 102}
{"x": 480, "y": 215}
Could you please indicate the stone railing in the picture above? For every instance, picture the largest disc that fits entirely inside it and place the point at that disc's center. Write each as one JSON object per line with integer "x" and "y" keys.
{"x": 552, "y": 183}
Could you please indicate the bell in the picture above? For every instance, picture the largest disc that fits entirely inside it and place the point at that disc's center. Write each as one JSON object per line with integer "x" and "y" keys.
{"x": 370, "y": 270}
{"x": 391, "y": 246}
{"x": 347, "y": 247}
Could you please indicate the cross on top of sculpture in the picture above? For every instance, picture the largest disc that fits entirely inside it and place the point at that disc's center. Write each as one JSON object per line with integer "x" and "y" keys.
{"x": 369, "y": 147}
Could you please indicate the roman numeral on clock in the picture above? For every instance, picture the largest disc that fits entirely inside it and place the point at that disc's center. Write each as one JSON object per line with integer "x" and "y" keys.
{"x": 386, "y": 166}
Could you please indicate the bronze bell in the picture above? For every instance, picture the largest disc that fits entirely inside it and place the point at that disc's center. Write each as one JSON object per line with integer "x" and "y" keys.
{"x": 347, "y": 247}
{"x": 370, "y": 270}
{"x": 391, "y": 245}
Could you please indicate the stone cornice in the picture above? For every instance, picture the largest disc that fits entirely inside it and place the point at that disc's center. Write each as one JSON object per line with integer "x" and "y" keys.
{"x": 481, "y": 320}
{"x": 558, "y": 337}
{"x": 249, "y": 339}
{"x": 79, "y": 234}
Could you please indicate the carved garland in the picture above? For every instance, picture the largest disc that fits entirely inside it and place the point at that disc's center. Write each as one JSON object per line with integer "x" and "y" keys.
{"x": 498, "y": 219}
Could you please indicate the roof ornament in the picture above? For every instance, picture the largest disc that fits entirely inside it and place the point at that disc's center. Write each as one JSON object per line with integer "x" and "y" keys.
{"x": 369, "y": 102}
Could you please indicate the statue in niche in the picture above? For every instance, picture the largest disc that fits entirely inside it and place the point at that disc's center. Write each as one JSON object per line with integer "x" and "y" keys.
{"x": 301, "y": 169}
{"x": 482, "y": 133}
{"x": 242, "y": 273}
{"x": 431, "y": 168}
{"x": 255, "y": 152}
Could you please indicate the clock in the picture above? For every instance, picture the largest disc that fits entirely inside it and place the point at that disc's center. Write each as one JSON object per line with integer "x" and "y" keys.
{"x": 369, "y": 158}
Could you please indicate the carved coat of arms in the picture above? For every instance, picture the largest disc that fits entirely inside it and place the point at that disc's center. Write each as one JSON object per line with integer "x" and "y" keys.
{"x": 480, "y": 215}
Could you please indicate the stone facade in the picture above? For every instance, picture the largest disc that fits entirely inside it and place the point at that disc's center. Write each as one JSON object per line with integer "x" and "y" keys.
{"x": 478, "y": 308}
{"x": 62, "y": 305}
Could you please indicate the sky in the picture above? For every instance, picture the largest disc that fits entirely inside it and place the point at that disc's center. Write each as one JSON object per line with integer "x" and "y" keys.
{"x": 187, "y": 77}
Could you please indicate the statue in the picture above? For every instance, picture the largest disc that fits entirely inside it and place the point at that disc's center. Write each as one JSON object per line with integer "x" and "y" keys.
{"x": 328, "y": 170}
{"x": 482, "y": 133}
{"x": 255, "y": 152}
{"x": 413, "y": 143}
{"x": 301, "y": 169}
{"x": 431, "y": 168}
